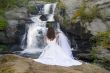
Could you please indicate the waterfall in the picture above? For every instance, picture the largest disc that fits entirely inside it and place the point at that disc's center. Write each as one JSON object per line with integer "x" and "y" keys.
{"x": 37, "y": 30}
{"x": 33, "y": 39}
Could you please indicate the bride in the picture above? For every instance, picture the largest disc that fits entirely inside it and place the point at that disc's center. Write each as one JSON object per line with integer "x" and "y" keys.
{"x": 53, "y": 54}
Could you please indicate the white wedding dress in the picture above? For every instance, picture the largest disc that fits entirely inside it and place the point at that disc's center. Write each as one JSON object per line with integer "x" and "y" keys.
{"x": 53, "y": 54}
{"x": 63, "y": 42}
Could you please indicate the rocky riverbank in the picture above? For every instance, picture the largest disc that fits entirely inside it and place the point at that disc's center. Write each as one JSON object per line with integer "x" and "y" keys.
{"x": 15, "y": 64}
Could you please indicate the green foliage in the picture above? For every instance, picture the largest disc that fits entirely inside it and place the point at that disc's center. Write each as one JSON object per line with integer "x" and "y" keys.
{"x": 32, "y": 9}
{"x": 3, "y": 48}
{"x": 93, "y": 53}
{"x": 21, "y": 3}
{"x": 3, "y": 23}
{"x": 86, "y": 13}
{"x": 65, "y": 23}
{"x": 60, "y": 5}
{"x": 8, "y": 4}
{"x": 102, "y": 39}
{"x": 5, "y": 4}
{"x": 2, "y": 13}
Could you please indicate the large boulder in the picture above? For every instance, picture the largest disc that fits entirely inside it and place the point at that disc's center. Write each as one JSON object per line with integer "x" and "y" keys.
{"x": 16, "y": 64}
{"x": 15, "y": 17}
{"x": 71, "y": 6}
{"x": 96, "y": 26}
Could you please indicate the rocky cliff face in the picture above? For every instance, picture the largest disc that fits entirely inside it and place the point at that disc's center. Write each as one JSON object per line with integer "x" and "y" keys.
{"x": 97, "y": 25}
{"x": 71, "y": 6}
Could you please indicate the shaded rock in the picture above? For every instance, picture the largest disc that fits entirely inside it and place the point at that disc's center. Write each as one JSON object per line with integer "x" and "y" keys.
{"x": 17, "y": 13}
{"x": 11, "y": 29}
{"x": 99, "y": 56}
{"x": 97, "y": 25}
{"x": 3, "y": 38}
{"x": 24, "y": 65}
{"x": 15, "y": 17}
{"x": 71, "y": 6}
{"x": 43, "y": 18}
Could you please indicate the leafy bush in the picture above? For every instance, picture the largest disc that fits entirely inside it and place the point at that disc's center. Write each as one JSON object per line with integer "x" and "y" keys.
{"x": 103, "y": 38}
{"x": 8, "y": 4}
{"x": 5, "y": 4}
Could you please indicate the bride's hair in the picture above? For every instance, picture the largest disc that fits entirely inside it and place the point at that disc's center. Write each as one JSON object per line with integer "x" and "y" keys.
{"x": 50, "y": 33}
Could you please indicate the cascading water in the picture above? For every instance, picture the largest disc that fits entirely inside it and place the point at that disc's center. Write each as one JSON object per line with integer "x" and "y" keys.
{"x": 37, "y": 30}
{"x": 34, "y": 37}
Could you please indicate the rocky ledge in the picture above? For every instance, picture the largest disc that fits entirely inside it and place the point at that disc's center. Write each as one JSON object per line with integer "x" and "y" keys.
{"x": 11, "y": 63}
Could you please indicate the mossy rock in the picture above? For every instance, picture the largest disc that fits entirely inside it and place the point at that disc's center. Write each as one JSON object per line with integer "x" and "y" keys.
{"x": 32, "y": 9}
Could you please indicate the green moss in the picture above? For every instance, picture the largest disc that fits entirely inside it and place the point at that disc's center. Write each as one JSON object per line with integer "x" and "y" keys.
{"x": 102, "y": 39}
{"x": 32, "y": 9}
{"x": 3, "y": 23}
